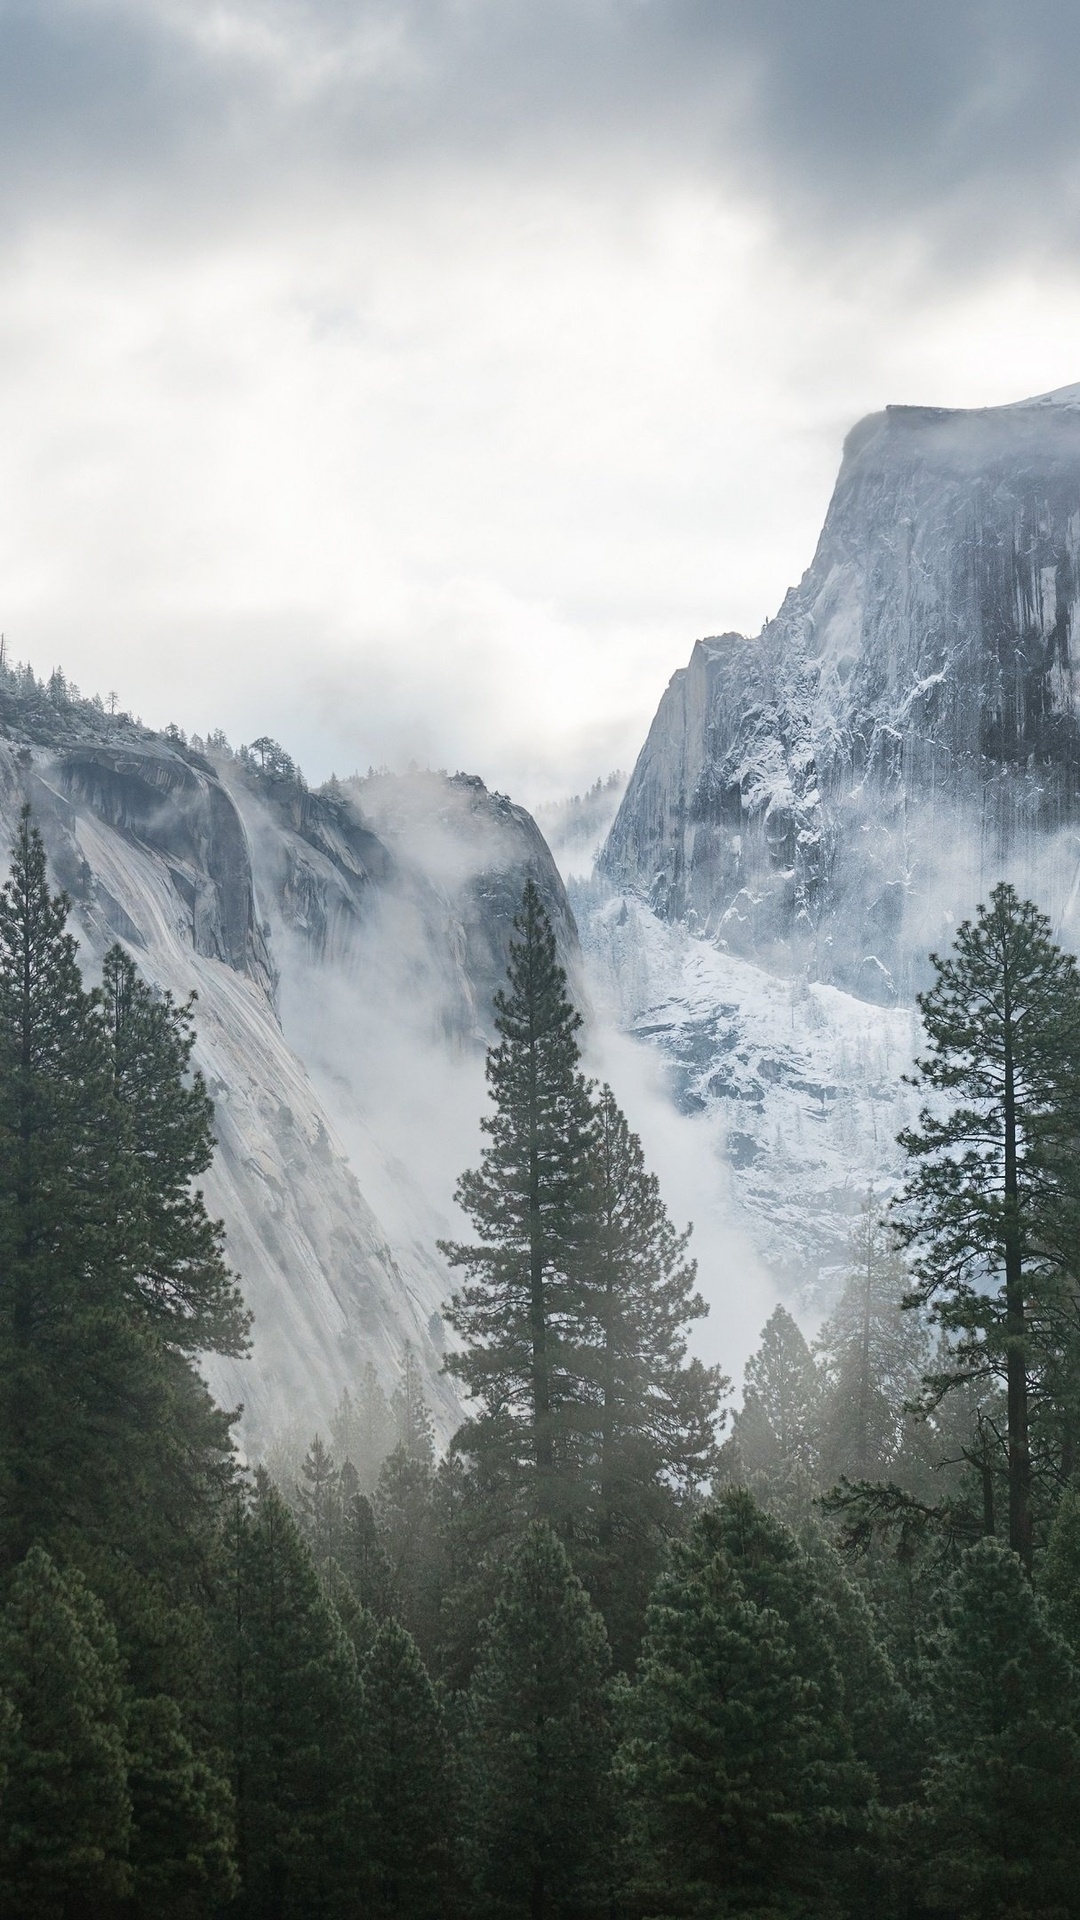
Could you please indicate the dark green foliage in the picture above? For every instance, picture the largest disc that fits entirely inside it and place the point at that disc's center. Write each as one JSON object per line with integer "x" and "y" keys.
{"x": 65, "y": 1817}
{"x": 1002, "y": 1792}
{"x": 519, "y": 1311}
{"x": 182, "y": 1844}
{"x": 993, "y": 1178}
{"x": 538, "y": 1744}
{"x": 738, "y": 1762}
{"x": 654, "y": 1409}
{"x": 296, "y": 1724}
{"x": 1059, "y": 1573}
{"x": 169, "y": 1250}
{"x": 362, "y": 1557}
{"x": 405, "y": 1514}
{"x": 778, "y": 1429}
{"x": 408, "y": 1806}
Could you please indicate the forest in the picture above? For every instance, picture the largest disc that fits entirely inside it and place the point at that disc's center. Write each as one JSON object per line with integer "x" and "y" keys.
{"x": 615, "y": 1653}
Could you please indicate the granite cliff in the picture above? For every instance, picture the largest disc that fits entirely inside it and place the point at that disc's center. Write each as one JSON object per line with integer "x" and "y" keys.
{"x": 822, "y": 797}
{"x": 344, "y": 945}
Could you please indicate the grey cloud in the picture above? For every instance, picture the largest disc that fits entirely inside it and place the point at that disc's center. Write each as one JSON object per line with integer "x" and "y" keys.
{"x": 853, "y": 112}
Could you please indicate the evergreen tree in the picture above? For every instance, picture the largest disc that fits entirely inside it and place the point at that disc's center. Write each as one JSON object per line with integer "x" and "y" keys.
{"x": 738, "y": 1762}
{"x": 987, "y": 1179}
{"x": 407, "y": 1796}
{"x": 362, "y": 1429}
{"x": 58, "y": 1327}
{"x": 65, "y": 1818}
{"x": 297, "y": 1707}
{"x": 1002, "y": 1790}
{"x": 405, "y": 1514}
{"x": 410, "y": 1412}
{"x": 317, "y": 1505}
{"x": 777, "y": 1431}
{"x": 183, "y": 1839}
{"x": 652, "y": 1410}
{"x": 169, "y": 1248}
{"x": 362, "y": 1557}
{"x": 537, "y": 1759}
{"x": 874, "y": 1355}
{"x": 520, "y": 1311}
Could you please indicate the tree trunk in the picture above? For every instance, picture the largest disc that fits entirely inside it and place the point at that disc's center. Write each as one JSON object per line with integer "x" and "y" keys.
{"x": 1015, "y": 1344}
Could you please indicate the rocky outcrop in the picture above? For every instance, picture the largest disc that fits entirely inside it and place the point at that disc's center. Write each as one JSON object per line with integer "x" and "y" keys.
{"x": 339, "y": 943}
{"x": 823, "y": 797}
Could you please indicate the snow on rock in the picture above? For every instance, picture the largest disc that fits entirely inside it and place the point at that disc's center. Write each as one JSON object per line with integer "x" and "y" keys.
{"x": 825, "y": 798}
{"x": 806, "y": 1080}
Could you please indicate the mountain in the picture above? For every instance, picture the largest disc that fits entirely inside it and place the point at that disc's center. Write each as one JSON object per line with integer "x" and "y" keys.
{"x": 815, "y": 808}
{"x": 344, "y": 946}
{"x": 823, "y": 797}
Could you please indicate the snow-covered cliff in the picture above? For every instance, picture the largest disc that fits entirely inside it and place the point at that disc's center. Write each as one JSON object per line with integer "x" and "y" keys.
{"x": 823, "y": 797}
{"x": 344, "y": 946}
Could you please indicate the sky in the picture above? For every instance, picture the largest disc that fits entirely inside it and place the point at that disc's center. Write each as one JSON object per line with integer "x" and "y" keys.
{"x": 417, "y": 379}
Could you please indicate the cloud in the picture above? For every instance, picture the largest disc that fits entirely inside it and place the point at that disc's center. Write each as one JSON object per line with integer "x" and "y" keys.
{"x": 956, "y": 117}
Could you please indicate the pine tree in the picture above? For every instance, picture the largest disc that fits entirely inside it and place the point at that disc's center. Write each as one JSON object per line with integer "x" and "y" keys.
{"x": 738, "y": 1762}
{"x": 407, "y": 1786}
{"x": 171, "y": 1251}
{"x": 65, "y": 1818}
{"x": 410, "y": 1412}
{"x": 183, "y": 1839}
{"x": 57, "y": 1334}
{"x": 362, "y": 1556}
{"x": 521, "y": 1307}
{"x": 297, "y": 1707}
{"x": 1002, "y": 1791}
{"x": 875, "y": 1357}
{"x": 777, "y": 1431}
{"x": 317, "y": 1505}
{"x": 537, "y": 1761}
{"x": 652, "y": 1410}
{"x": 986, "y": 1180}
{"x": 362, "y": 1429}
{"x": 405, "y": 1515}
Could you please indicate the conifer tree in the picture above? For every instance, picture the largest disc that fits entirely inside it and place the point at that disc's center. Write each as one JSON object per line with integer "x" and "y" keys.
{"x": 363, "y": 1558}
{"x": 1002, "y": 1791}
{"x": 296, "y": 1726}
{"x": 405, "y": 1514}
{"x": 170, "y": 1250}
{"x": 987, "y": 1179}
{"x": 738, "y": 1762}
{"x": 410, "y": 1412}
{"x": 362, "y": 1429}
{"x": 183, "y": 1838}
{"x": 777, "y": 1431}
{"x": 57, "y": 1332}
{"x": 874, "y": 1356}
{"x": 520, "y": 1310}
{"x": 317, "y": 1505}
{"x": 407, "y": 1784}
{"x": 653, "y": 1411}
{"x": 537, "y": 1760}
{"x": 65, "y": 1818}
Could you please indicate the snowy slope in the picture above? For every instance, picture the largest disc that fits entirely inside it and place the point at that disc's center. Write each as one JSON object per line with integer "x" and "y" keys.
{"x": 804, "y": 1079}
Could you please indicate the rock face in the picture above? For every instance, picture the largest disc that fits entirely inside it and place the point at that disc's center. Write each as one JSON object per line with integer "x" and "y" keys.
{"x": 344, "y": 946}
{"x": 905, "y": 730}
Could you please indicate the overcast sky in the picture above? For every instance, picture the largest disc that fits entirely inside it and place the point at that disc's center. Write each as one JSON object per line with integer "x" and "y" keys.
{"x": 418, "y": 378}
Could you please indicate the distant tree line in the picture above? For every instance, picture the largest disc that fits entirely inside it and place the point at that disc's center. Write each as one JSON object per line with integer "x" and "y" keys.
{"x": 590, "y": 1662}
